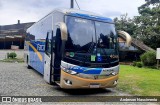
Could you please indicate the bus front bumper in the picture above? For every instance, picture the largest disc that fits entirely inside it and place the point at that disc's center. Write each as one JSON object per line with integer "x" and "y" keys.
{"x": 68, "y": 81}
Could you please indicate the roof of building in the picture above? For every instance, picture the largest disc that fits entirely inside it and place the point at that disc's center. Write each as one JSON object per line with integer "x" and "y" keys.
{"x": 14, "y": 28}
{"x": 138, "y": 44}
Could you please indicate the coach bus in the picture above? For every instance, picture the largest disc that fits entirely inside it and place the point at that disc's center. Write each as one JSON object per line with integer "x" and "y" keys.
{"x": 74, "y": 49}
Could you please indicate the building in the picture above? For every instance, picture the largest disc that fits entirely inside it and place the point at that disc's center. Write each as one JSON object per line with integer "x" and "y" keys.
{"x": 13, "y": 35}
{"x": 134, "y": 51}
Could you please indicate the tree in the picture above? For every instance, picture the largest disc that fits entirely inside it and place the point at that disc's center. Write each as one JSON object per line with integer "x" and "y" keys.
{"x": 145, "y": 27}
{"x": 125, "y": 24}
{"x": 148, "y": 23}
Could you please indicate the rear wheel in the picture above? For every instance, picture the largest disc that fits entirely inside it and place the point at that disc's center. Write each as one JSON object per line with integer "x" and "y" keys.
{"x": 28, "y": 66}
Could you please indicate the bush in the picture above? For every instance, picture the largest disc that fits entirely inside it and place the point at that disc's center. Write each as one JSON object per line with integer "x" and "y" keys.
{"x": 134, "y": 63}
{"x": 12, "y": 55}
{"x": 149, "y": 58}
{"x": 139, "y": 64}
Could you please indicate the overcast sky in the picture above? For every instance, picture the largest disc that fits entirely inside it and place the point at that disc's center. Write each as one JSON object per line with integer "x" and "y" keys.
{"x": 33, "y": 10}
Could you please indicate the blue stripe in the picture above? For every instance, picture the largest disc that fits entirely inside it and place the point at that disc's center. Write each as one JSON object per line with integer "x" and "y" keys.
{"x": 98, "y": 18}
{"x": 86, "y": 70}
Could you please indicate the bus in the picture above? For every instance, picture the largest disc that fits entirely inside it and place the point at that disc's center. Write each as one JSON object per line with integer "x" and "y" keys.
{"x": 75, "y": 49}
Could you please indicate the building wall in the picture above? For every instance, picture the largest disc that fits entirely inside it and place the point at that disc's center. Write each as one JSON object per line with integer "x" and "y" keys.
{"x": 6, "y": 43}
{"x": 13, "y": 35}
{"x": 131, "y": 53}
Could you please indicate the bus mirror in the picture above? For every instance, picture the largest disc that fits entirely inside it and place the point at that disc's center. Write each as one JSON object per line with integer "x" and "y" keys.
{"x": 127, "y": 36}
{"x": 63, "y": 28}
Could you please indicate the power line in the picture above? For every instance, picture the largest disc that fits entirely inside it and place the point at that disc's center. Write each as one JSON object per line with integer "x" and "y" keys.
{"x": 77, "y": 4}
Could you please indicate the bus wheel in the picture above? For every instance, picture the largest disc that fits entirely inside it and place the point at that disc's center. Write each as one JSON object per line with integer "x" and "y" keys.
{"x": 28, "y": 66}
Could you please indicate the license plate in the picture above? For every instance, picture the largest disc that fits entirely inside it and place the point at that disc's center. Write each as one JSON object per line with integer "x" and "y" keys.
{"x": 94, "y": 85}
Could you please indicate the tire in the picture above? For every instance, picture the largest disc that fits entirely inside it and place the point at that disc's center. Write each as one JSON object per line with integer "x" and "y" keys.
{"x": 28, "y": 66}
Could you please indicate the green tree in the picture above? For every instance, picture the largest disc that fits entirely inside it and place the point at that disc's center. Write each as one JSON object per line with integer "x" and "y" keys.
{"x": 145, "y": 27}
{"x": 148, "y": 23}
{"x": 125, "y": 24}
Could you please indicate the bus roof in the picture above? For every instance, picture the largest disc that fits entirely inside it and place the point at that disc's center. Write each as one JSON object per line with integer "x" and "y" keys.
{"x": 79, "y": 13}
{"x": 84, "y": 14}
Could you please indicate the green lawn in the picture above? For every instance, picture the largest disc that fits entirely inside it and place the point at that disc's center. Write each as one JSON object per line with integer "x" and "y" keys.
{"x": 139, "y": 81}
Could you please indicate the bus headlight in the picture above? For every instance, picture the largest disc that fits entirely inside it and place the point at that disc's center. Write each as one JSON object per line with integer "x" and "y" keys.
{"x": 114, "y": 73}
{"x": 69, "y": 71}
{"x": 72, "y": 72}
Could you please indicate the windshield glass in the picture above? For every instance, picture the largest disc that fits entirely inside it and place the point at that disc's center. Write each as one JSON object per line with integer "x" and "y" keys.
{"x": 81, "y": 34}
{"x": 106, "y": 38}
{"x": 90, "y": 42}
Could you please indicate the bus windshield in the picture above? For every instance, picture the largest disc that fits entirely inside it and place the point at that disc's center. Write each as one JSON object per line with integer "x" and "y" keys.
{"x": 81, "y": 34}
{"x": 88, "y": 37}
{"x": 106, "y": 38}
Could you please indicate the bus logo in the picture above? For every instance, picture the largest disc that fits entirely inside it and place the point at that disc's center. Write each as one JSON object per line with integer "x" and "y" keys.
{"x": 95, "y": 77}
{"x": 40, "y": 47}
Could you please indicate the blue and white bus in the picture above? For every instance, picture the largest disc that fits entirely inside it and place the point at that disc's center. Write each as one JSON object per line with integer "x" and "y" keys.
{"x": 74, "y": 49}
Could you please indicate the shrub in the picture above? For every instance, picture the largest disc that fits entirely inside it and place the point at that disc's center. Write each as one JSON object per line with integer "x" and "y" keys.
{"x": 149, "y": 58}
{"x": 134, "y": 63}
{"x": 12, "y": 55}
{"x": 139, "y": 64}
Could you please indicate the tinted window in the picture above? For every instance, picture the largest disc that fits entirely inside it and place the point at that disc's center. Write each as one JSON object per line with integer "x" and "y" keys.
{"x": 81, "y": 34}
{"x": 90, "y": 42}
{"x": 106, "y": 35}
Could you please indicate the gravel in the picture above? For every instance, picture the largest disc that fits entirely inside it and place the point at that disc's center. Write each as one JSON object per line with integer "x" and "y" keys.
{"x": 17, "y": 80}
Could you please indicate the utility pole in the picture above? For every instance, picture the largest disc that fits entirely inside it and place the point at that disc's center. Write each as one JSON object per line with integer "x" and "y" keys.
{"x": 72, "y": 3}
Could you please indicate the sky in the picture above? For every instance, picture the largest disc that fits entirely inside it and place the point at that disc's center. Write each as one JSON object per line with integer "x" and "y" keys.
{"x": 34, "y": 10}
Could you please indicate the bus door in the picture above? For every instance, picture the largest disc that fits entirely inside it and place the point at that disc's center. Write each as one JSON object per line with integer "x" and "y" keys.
{"x": 61, "y": 38}
{"x": 54, "y": 50}
{"x": 58, "y": 56}
{"x": 48, "y": 58}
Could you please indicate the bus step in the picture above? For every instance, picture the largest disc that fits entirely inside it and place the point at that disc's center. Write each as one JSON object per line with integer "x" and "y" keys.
{"x": 56, "y": 77}
{"x": 57, "y": 82}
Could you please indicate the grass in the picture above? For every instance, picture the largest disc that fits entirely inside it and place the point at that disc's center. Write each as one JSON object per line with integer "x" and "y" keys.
{"x": 139, "y": 81}
{"x": 19, "y": 60}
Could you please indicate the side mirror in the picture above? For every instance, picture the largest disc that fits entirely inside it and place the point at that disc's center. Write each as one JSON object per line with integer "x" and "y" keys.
{"x": 63, "y": 28}
{"x": 126, "y": 36}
